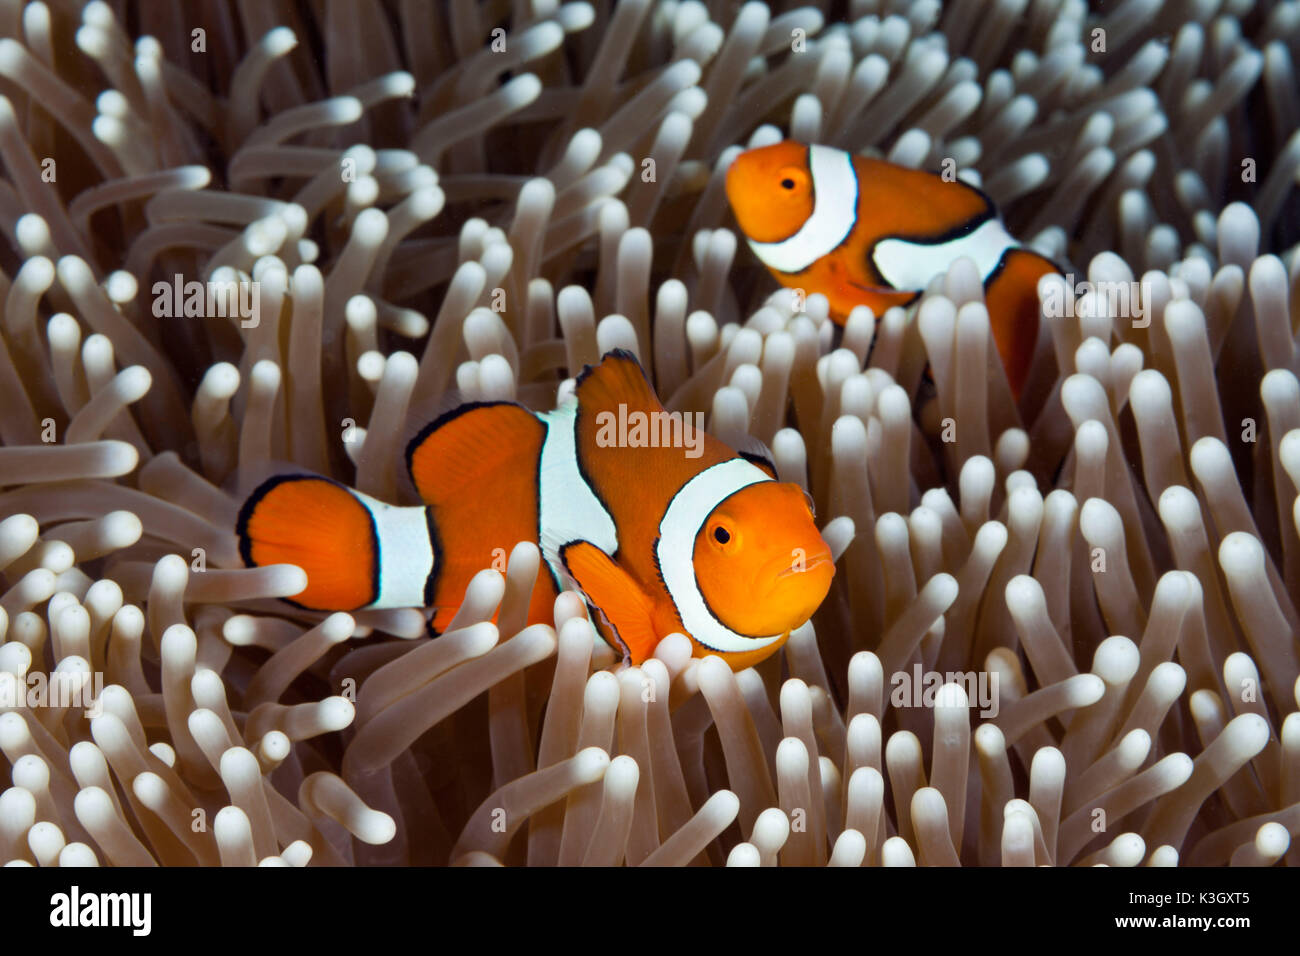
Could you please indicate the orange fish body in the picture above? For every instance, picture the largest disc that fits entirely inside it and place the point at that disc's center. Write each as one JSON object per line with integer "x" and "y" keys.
{"x": 662, "y": 528}
{"x": 867, "y": 232}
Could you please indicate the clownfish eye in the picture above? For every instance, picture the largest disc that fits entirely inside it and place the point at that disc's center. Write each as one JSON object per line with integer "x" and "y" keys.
{"x": 792, "y": 179}
{"x": 721, "y": 535}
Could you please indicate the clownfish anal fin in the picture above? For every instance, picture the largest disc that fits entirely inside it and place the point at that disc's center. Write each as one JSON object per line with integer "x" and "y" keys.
{"x": 442, "y": 618}
{"x": 885, "y": 289}
{"x": 903, "y": 297}
{"x": 626, "y": 607}
{"x": 617, "y": 380}
{"x": 461, "y": 451}
{"x": 1011, "y": 295}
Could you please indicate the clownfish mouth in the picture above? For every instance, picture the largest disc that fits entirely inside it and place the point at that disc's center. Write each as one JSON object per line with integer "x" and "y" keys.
{"x": 804, "y": 566}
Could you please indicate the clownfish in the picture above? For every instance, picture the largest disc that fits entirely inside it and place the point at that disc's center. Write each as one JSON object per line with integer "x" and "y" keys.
{"x": 868, "y": 232}
{"x": 659, "y": 526}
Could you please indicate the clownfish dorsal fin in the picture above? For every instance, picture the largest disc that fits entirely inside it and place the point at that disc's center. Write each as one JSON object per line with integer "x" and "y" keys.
{"x": 427, "y": 409}
{"x": 626, "y": 607}
{"x": 617, "y": 380}
{"x": 758, "y": 454}
{"x": 457, "y": 453}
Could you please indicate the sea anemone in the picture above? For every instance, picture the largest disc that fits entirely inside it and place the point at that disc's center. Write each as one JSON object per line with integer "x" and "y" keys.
{"x": 241, "y": 237}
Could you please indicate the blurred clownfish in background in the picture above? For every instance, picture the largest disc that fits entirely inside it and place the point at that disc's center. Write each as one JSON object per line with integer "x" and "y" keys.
{"x": 867, "y": 232}
{"x": 659, "y": 536}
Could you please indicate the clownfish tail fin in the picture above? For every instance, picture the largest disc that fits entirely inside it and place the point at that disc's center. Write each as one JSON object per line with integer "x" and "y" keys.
{"x": 322, "y": 527}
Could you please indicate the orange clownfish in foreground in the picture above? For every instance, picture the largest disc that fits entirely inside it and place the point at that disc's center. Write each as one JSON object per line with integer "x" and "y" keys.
{"x": 867, "y": 232}
{"x": 659, "y": 526}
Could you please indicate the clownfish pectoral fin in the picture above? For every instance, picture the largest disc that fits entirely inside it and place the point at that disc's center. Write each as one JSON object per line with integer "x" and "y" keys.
{"x": 617, "y": 380}
{"x": 619, "y": 598}
{"x": 455, "y": 454}
{"x": 320, "y": 526}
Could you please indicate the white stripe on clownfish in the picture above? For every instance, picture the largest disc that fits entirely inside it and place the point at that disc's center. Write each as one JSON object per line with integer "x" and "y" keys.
{"x": 686, "y": 513}
{"x": 568, "y": 508}
{"x": 835, "y": 213}
{"x": 909, "y": 264}
{"x": 405, "y": 559}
